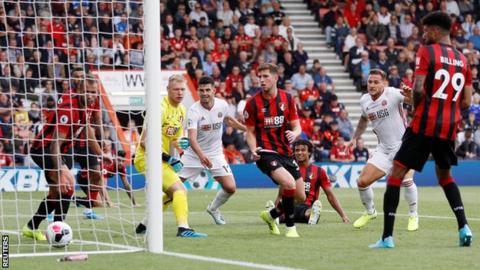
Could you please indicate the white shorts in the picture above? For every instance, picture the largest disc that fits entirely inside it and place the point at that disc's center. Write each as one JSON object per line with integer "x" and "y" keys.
{"x": 192, "y": 167}
{"x": 383, "y": 159}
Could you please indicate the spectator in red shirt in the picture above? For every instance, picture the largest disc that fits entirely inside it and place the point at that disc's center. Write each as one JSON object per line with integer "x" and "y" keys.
{"x": 276, "y": 39}
{"x": 232, "y": 155}
{"x": 244, "y": 41}
{"x": 233, "y": 79}
{"x": 334, "y": 106}
{"x": 306, "y": 122}
{"x": 178, "y": 43}
{"x": 341, "y": 152}
{"x": 309, "y": 94}
{"x": 5, "y": 159}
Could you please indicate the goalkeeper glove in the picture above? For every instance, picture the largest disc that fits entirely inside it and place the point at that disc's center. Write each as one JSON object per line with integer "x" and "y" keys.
{"x": 184, "y": 143}
{"x": 176, "y": 164}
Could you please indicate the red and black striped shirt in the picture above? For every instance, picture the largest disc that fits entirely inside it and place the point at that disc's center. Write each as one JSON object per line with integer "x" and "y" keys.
{"x": 314, "y": 177}
{"x": 68, "y": 119}
{"x": 271, "y": 119}
{"x": 446, "y": 74}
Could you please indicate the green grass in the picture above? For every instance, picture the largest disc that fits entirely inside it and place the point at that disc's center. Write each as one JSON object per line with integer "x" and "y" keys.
{"x": 329, "y": 245}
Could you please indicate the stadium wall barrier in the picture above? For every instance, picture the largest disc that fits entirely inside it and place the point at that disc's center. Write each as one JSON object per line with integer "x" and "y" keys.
{"x": 247, "y": 176}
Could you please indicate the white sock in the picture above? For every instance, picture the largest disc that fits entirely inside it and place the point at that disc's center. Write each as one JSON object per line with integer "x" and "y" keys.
{"x": 411, "y": 196}
{"x": 366, "y": 195}
{"x": 87, "y": 211}
{"x": 221, "y": 198}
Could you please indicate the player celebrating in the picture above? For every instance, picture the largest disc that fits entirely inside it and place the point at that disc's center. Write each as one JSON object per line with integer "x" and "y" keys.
{"x": 51, "y": 150}
{"x": 314, "y": 178}
{"x": 443, "y": 85}
{"x": 173, "y": 114}
{"x": 383, "y": 106}
{"x": 268, "y": 115}
{"x": 205, "y": 128}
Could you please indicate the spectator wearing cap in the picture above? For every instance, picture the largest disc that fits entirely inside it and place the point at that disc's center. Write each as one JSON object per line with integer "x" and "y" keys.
{"x": 468, "y": 149}
{"x": 394, "y": 79}
{"x": 344, "y": 125}
{"x": 341, "y": 152}
{"x": 360, "y": 152}
{"x": 301, "y": 78}
{"x": 306, "y": 122}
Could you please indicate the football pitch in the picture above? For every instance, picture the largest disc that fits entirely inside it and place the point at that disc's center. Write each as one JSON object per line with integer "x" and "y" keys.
{"x": 245, "y": 239}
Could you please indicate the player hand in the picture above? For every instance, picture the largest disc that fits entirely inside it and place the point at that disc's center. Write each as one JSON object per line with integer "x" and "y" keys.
{"x": 206, "y": 162}
{"x": 184, "y": 143}
{"x": 405, "y": 90}
{"x": 255, "y": 154}
{"x": 352, "y": 143}
{"x": 107, "y": 159}
{"x": 66, "y": 180}
{"x": 345, "y": 219}
{"x": 291, "y": 137}
{"x": 176, "y": 164}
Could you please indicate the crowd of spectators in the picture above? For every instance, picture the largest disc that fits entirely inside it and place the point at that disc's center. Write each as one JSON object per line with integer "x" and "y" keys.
{"x": 42, "y": 42}
{"x": 386, "y": 34}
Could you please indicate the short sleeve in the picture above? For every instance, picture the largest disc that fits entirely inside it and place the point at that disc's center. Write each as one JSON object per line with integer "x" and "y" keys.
{"x": 249, "y": 113}
{"x": 422, "y": 61}
{"x": 395, "y": 95}
{"x": 324, "y": 180}
{"x": 468, "y": 76}
{"x": 293, "y": 115}
{"x": 192, "y": 119}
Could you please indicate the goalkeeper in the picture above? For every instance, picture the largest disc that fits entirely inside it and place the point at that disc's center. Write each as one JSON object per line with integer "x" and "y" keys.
{"x": 173, "y": 115}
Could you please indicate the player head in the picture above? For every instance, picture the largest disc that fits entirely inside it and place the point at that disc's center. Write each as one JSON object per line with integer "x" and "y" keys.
{"x": 302, "y": 149}
{"x": 206, "y": 90}
{"x": 91, "y": 90}
{"x": 376, "y": 82}
{"x": 176, "y": 89}
{"x": 78, "y": 76}
{"x": 268, "y": 77}
{"x": 436, "y": 26}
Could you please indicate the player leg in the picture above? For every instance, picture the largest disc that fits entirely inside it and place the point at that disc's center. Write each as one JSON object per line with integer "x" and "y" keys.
{"x": 445, "y": 157}
{"x": 413, "y": 154}
{"x": 223, "y": 175}
{"x": 375, "y": 169}
{"x": 174, "y": 188}
{"x": 411, "y": 196}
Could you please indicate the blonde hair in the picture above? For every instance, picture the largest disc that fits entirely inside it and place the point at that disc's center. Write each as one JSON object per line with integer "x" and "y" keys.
{"x": 177, "y": 78}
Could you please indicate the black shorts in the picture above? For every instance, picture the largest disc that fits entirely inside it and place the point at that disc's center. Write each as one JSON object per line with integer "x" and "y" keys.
{"x": 416, "y": 149}
{"x": 299, "y": 214}
{"x": 85, "y": 158}
{"x": 44, "y": 159}
{"x": 269, "y": 162}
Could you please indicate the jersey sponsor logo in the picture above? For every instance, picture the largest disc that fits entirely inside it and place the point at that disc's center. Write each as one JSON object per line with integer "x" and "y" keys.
{"x": 209, "y": 127}
{"x": 378, "y": 114}
{"x": 307, "y": 187}
{"x": 273, "y": 121}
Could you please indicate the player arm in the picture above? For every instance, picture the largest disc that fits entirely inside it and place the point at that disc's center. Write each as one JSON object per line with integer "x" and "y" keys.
{"x": 418, "y": 90}
{"x": 361, "y": 127}
{"x": 335, "y": 203}
{"x": 55, "y": 148}
{"x": 251, "y": 139}
{"x": 234, "y": 123}
{"x": 92, "y": 141}
{"x": 192, "y": 137}
{"x": 295, "y": 132}
{"x": 407, "y": 94}
{"x": 467, "y": 97}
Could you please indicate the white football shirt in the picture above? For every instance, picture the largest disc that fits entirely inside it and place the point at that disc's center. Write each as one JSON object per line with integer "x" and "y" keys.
{"x": 387, "y": 117}
{"x": 209, "y": 126}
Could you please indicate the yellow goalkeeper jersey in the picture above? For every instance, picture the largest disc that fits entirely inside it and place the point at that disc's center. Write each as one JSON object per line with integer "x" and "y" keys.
{"x": 172, "y": 127}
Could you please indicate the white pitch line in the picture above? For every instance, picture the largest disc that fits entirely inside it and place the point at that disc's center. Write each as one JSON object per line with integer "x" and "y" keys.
{"x": 226, "y": 261}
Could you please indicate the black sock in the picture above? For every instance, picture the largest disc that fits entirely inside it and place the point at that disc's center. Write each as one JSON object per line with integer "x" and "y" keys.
{"x": 288, "y": 207}
{"x": 62, "y": 208}
{"x": 390, "y": 204}
{"x": 455, "y": 200}
{"x": 277, "y": 211}
{"x": 45, "y": 207}
{"x": 84, "y": 201}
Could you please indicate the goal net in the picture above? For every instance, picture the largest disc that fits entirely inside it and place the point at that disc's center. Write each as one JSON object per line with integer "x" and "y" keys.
{"x": 48, "y": 49}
